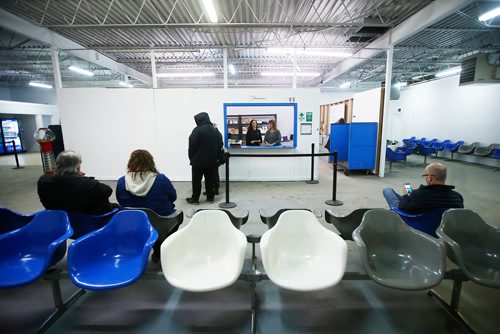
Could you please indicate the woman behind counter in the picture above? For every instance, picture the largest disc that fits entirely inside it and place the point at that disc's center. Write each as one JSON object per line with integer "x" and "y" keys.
{"x": 254, "y": 136}
{"x": 273, "y": 135}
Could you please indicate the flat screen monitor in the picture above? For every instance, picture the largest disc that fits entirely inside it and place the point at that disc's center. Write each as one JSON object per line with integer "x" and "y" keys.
{"x": 239, "y": 116}
{"x": 12, "y": 133}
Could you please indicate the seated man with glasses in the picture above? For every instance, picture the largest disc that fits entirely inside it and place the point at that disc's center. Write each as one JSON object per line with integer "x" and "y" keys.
{"x": 435, "y": 194}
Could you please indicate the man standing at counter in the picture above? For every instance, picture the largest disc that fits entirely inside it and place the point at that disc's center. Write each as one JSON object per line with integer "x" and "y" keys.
{"x": 205, "y": 143}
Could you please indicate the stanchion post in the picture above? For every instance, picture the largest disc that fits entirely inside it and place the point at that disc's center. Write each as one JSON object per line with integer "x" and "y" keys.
{"x": 312, "y": 180}
{"x": 15, "y": 155}
{"x": 227, "y": 204}
{"x": 334, "y": 201}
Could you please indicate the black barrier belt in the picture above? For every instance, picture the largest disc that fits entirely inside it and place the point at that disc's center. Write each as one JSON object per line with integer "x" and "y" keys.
{"x": 228, "y": 204}
{"x": 281, "y": 155}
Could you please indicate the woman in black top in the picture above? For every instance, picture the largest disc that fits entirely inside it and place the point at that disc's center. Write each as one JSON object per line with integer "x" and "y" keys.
{"x": 254, "y": 136}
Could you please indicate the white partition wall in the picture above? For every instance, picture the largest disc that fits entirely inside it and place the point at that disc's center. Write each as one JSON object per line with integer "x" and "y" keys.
{"x": 442, "y": 109}
{"x": 105, "y": 125}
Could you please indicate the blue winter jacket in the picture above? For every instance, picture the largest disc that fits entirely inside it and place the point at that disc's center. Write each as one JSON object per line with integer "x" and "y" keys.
{"x": 160, "y": 198}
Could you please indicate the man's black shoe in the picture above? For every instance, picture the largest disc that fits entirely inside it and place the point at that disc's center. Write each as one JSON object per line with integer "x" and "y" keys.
{"x": 210, "y": 200}
{"x": 216, "y": 192}
{"x": 192, "y": 201}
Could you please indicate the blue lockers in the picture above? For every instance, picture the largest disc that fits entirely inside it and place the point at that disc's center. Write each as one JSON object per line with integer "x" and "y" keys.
{"x": 356, "y": 143}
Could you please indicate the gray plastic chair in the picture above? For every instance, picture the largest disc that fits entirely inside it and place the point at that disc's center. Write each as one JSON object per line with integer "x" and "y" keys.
{"x": 397, "y": 256}
{"x": 486, "y": 151}
{"x": 473, "y": 245}
{"x": 164, "y": 225}
{"x": 346, "y": 224}
{"x": 270, "y": 220}
{"x": 468, "y": 149}
{"x": 237, "y": 221}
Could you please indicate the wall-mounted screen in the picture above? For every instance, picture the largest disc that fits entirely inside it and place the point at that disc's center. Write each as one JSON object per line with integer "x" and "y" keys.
{"x": 260, "y": 125}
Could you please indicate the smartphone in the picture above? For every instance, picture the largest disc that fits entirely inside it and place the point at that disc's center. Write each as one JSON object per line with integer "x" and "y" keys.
{"x": 408, "y": 188}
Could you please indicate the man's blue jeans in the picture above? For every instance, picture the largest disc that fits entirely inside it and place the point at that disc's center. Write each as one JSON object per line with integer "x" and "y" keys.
{"x": 391, "y": 197}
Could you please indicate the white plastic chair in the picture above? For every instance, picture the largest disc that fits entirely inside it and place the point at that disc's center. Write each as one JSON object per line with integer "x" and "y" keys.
{"x": 206, "y": 255}
{"x": 298, "y": 253}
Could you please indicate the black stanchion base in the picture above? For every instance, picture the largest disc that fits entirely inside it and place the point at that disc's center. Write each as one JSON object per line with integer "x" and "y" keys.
{"x": 334, "y": 203}
{"x": 227, "y": 205}
{"x": 20, "y": 167}
{"x": 312, "y": 182}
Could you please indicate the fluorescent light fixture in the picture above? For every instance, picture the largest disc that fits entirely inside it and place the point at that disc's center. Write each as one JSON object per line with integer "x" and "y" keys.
{"x": 125, "y": 84}
{"x": 185, "y": 75}
{"x": 309, "y": 52}
{"x": 489, "y": 15}
{"x": 232, "y": 70}
{"x": 289, "y": 74}
{"x": 451, "y": 71}
{"x": 418, "y": 77}
{"x": 401, "y": 84}
{"x": 345, "y": 85}
{"x": 40, "y": 85}
{"x": 210, "y": 10}
{"x": 81, "y": 71}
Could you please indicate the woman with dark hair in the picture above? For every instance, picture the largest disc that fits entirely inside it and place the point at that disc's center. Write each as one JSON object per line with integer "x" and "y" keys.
{"x": 144, "y": 187}
{"x": 253, "y": 136}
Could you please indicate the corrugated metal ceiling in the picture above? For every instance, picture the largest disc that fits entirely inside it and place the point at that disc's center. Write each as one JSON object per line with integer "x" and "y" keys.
{"x": 184, "y": 39}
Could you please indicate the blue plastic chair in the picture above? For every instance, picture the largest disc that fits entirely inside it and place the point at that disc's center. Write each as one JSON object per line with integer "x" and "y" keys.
{"x": 452, "y": 148}
{"x": 408, "y": 149}
{"x": 114, "y": 256}
{"x": 10, "y": 220}
{"x": 425, "y": 151}
{"x": 406, "y": 141}
{"x": 428, "y": 143}
{"x": 496, "y": 154}
{"x": 28, "y": 252}
{"x": 83, "y": 223}
{"x": 392, "y": 156}
{"x": 426, "y": 222}
{"x": 439, "y": 146}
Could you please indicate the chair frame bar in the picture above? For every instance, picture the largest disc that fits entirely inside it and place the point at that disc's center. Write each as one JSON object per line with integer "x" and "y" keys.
{"x": 253, "y": 276}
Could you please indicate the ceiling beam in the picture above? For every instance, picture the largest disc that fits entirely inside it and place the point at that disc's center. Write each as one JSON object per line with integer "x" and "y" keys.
{"x": 20, "y": 26}
{"x": 434, "y": 12}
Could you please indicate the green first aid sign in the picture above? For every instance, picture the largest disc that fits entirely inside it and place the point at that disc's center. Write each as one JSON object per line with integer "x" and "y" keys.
{"x": 309, "y": 116}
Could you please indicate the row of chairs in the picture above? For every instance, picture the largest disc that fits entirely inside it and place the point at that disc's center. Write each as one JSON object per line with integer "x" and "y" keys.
{"x": 298, "y": 253}
{"x": 125, "y": 243}
{"x": 433, "y": 146}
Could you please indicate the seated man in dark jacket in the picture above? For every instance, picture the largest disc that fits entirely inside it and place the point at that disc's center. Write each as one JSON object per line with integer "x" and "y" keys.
{"x": 68, "y": 189}
{"x": 435, "y": 194}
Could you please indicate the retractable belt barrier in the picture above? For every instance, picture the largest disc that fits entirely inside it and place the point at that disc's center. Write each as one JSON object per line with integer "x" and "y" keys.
{"x": 228, "y": 204}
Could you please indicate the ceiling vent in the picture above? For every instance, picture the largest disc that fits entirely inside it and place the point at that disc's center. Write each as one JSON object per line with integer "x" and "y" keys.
{"x": 480, "y": 68}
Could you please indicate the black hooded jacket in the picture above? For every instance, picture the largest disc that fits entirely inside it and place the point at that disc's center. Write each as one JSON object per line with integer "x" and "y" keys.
{"x": 205, "y": 142}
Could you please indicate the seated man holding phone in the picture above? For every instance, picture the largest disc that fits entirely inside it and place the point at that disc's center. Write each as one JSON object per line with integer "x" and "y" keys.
{"x": 435, "y": 194}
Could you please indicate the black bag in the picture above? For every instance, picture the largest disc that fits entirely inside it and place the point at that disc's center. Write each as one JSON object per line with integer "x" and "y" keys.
{"x": 222, "y": 158}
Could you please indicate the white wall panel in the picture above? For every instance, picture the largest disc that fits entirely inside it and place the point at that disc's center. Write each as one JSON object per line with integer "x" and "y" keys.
{"x": 105, "y": 125}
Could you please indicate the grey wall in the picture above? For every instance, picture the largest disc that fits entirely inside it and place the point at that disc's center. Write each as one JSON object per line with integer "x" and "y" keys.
{"x": 33, "y": 95}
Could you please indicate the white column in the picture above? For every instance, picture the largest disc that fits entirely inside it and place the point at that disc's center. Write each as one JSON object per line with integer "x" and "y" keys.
{"x": 294, "y": 77}
{"x": 54, "y": 54}
{"x": 224, "y": 56}
{"x": 153, "y": 69}
{"x": 387, "y": 101}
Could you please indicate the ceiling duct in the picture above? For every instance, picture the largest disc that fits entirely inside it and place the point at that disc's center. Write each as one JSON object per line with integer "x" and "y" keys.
{"x": 371, "y": 29}
{"x": 480, "y": 68}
